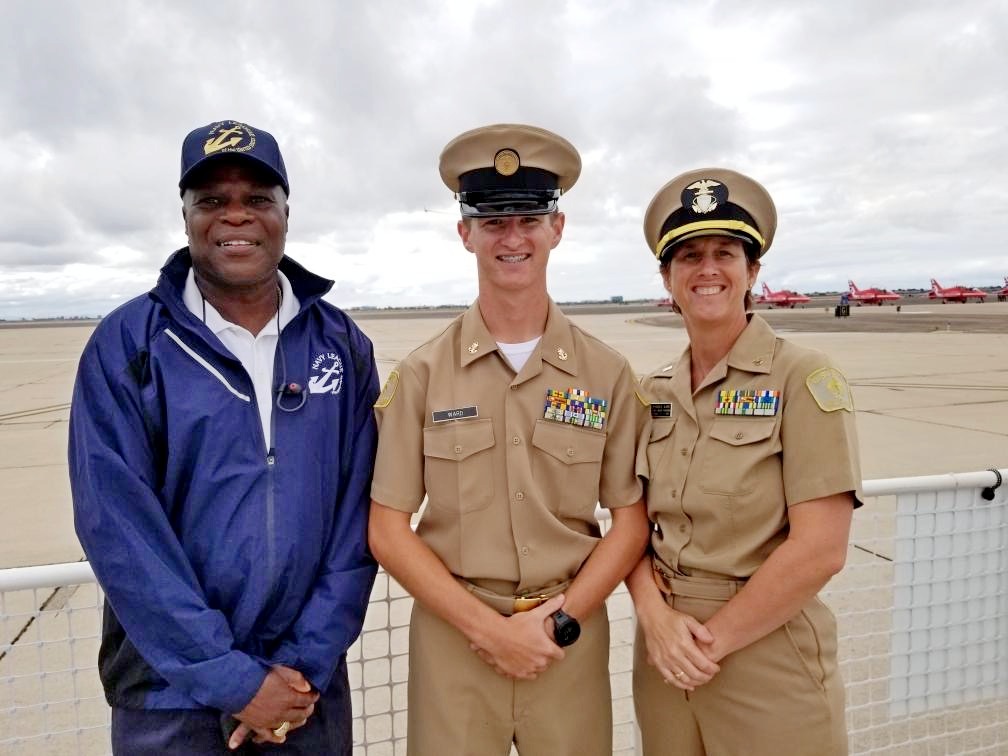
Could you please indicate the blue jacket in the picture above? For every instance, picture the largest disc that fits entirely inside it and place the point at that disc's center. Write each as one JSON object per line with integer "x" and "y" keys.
{"x": 221, "y": 552}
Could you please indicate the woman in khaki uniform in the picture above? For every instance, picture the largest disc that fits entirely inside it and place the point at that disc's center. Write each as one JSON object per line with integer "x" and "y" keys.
{"x": 753, "y": 475}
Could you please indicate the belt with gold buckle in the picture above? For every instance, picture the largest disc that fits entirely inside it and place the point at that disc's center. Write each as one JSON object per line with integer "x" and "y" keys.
{"x": 527, "y": 603}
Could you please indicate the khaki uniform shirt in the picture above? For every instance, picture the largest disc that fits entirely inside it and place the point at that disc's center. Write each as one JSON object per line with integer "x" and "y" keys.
{"x": 511, "y": 494}
{"x": 720, "y": 481}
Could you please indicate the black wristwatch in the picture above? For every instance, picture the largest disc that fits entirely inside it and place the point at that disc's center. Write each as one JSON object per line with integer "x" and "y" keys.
{"x": 566, "y": 629}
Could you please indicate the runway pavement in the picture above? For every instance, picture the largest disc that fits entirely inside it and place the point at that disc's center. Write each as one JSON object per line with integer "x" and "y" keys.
{"x": 928, "y": 401}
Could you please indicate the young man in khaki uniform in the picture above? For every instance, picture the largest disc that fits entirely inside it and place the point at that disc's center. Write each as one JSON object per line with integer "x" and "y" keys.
{"x": 514, "y": 422}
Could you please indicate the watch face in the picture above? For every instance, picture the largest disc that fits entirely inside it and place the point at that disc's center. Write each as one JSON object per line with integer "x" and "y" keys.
{"x": 566, "y": 629}
{"x": 570, "y": 633}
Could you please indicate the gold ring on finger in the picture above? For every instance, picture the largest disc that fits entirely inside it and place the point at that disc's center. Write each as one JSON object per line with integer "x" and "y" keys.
{"x": 282, "y": 729}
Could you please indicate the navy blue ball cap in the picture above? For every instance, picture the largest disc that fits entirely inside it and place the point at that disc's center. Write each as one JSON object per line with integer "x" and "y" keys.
{"x": 232, "y": 139}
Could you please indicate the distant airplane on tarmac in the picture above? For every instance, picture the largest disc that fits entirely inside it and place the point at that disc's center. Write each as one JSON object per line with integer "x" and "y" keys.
{"x": 871, "y": 296}
{"x": 1003, "y": 294}
{"x": 955, "y": 293}
{"x": 782, "y": 298}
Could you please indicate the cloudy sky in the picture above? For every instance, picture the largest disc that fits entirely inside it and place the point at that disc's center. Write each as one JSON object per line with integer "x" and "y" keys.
{"x": 881, "y": 130}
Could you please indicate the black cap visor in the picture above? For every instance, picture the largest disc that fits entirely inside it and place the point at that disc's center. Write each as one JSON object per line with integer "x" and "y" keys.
{"x": 485, "y": 193}
{"x": 727, "y": 220}
{"x": 263, "y": 173}
{"x": 496, "y": 204}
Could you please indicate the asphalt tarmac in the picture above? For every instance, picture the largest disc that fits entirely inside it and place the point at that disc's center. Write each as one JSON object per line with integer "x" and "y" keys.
{"x": 918, "y": 318}
{"x": 930, "y": 385}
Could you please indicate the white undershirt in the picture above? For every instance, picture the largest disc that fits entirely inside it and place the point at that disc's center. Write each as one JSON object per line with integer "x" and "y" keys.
{"x": 518, "y": 354}
{"x": 256, "y": 353}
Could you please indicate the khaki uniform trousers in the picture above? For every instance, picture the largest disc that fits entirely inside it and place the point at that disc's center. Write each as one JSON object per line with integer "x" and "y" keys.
{"x": 780, "y": 695}
{"x": 458, "y": 705}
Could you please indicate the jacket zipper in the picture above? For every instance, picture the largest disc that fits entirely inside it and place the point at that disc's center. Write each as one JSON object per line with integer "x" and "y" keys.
{"x": 271, "y": 460}
{"x": 206, "y": 366}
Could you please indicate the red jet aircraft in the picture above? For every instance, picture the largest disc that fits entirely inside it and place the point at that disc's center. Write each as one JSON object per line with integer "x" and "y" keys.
{"x": 955, "y": 293}
{"x": 782, "y": 298}
{"x": 871, "y": 296}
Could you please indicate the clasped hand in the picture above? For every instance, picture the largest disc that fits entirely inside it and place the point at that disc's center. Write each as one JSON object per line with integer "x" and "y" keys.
{"x": 284, "y": 696}
{"x": 677, "y": 646}
{"x": 521, "y": 647}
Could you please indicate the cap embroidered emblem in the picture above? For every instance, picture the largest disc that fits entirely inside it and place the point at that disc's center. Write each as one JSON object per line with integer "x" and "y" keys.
{"x": 234, "y": 138}
{"x": 506, "y": 162}
{"x": 474, "y": 347}
{"x": 561, "y": 354}
{"x": 704, "y": 196}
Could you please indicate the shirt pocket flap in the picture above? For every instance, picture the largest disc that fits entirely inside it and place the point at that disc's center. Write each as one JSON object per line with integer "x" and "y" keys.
{"x": 458, "y": 440}
{"x": 739, "y": 432}
{"x": 661, "y": 428}
{"x": 567, "y": 443}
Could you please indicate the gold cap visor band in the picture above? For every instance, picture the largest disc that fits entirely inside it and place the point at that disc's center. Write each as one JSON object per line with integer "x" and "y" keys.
{"x": 711, "y": 225}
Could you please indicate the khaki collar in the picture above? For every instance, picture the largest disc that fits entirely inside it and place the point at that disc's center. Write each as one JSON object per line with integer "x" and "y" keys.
{"x": 555, "y": 347}
{"x": 753, "y": 351}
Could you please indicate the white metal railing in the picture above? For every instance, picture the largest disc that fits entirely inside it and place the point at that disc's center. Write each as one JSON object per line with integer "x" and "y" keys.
{"x": 922, "y": 608}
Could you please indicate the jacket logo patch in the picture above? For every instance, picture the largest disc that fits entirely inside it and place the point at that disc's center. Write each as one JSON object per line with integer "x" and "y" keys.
{"x": 327, "y": 374}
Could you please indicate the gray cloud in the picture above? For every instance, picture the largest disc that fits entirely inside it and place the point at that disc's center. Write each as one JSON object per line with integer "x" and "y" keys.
{"x": 878, "y": 128}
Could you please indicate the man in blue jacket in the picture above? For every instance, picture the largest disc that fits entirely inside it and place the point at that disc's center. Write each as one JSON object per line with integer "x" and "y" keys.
{"x": 221, "y": 450}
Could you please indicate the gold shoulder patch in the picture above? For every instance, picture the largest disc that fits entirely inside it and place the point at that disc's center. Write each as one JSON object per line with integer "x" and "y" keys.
{"x": 388, "y": 390}
{"x": 830, "y": 390}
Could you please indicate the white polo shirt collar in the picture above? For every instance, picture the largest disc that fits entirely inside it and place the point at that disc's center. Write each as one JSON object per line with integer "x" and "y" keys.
{"x": 257, "y": 353}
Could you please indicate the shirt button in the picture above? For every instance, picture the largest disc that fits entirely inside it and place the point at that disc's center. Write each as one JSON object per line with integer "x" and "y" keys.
{"x": 516, "y": 440}
{"x": 674, "y": 494}
{"x": 738, "y": 436}
{"x": 525, "y": 550}
{"x": 520, "y": 496}
{"x": 682, "y": 528}
{"x": 570, "y": 451}
{"x": 458, "y": 449}
{"x": 683, "y": 452}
